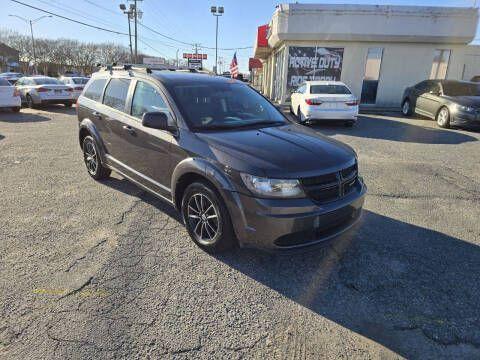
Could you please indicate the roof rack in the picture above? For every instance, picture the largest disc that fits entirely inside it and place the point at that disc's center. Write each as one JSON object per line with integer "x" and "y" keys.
{"x": 126, "y": 67}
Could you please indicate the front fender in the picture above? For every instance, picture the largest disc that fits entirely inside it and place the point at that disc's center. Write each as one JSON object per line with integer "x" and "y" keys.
{"x": 203, "y": 168}
{"x": 89, "y": 126}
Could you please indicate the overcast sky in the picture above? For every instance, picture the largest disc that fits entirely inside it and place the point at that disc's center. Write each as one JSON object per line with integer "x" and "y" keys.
{"x": 189, "y": 21}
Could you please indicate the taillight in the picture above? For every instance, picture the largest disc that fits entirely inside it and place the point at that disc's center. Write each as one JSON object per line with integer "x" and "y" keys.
{"x": 69, "y": 89}
{"x": 352, "y": 103}
{"x": 313, "y": 102}
{"x": 16, "y": 93}
{"x": 42, "y": 89}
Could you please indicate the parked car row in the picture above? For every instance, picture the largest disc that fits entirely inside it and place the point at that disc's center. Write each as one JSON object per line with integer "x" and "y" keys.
{"x": 449, "y": 102}
{"x": 33, "y": 91}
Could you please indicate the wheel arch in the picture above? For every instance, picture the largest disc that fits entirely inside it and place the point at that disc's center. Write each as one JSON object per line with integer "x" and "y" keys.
{"x": 87, "y": 127}
{"x": 196, "y": 169}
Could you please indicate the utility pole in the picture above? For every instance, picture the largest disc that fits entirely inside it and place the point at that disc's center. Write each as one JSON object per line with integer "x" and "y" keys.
{"x": 177, "y": 57}
{"x": 31, "y": 22}
{"x": 136, "y": 14}
{"x": 129, "y": 14}
{"x": 217, "y": 12}
{"x": 136, "y": 33}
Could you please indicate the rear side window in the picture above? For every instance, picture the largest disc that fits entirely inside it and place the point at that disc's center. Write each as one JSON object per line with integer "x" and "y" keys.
{"x": 95, "y": 89}
{"x": 116, "y": 93}
{"x": 4, "y": 82}
{"x": 329, "y": 89}
{"x": 146, "y": 99}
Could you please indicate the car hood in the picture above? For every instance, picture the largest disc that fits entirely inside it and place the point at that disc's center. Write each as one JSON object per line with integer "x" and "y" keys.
{"x": 473, "y": 101}
{"x": 289, "y": 151}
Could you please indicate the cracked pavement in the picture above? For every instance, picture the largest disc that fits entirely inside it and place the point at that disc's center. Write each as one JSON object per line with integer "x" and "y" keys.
{"x": 95, "y": 270}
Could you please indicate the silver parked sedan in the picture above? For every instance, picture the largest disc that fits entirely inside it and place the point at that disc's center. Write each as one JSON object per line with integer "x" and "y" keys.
{"x": 42, "y": 90}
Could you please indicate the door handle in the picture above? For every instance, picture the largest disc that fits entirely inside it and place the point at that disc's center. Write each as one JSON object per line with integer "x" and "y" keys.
{"x": 128, "y": 128}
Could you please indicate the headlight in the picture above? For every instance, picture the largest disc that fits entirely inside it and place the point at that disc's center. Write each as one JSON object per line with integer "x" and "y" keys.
{"x": 465, "y": 108}
{"x": 273, "y": 187}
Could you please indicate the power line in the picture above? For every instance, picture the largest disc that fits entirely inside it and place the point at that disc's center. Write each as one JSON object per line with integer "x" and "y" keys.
{"x": 190, "y": 44}
{"x": 70, "y": 19}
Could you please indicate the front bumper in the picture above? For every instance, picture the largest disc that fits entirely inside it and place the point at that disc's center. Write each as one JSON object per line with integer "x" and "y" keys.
{"x": 283, "y": 224}
{"x": 466, "y": 119}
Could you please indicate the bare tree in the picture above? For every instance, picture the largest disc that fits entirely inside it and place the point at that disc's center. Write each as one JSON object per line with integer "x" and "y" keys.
{"x": 65, "y": 53}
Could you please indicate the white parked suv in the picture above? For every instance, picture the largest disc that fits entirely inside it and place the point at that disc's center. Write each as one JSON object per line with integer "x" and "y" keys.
{"x": 42, "y": 90}
{"x": 332, "y": 100}
{"x": 9, "y": 96}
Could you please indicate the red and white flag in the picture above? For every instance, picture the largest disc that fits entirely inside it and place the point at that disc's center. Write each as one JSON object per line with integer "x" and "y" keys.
{"x": 234, "y": 66}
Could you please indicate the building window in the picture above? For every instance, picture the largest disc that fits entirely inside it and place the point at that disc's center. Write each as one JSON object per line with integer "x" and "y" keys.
{"x": 372, "y": 75}
{"x": 440, "y": 64}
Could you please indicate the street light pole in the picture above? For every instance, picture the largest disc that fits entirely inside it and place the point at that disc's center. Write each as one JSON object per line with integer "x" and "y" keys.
{"x": 217, "y": 12}
{"x": 33, "y": 48}
{"x": 31, "y": 22}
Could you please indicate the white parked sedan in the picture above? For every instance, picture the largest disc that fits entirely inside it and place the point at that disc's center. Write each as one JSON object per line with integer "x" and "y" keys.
{"x": 42, "y": 90}
{"x": 9, "y": 96}
{"x": 316, "y": 100}
{"x": 77, "y": 83}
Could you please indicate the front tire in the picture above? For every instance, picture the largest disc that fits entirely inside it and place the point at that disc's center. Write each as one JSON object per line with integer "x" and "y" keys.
{"x": 349, "y": 123}
{"x": 16, "y": 109}
{"x": 206, "y": 218}
{"x": 443, "y": 118}
{"x": 68, "y": 105}
{"x": 407, "y": 108}
{"x": 93, "y": 162}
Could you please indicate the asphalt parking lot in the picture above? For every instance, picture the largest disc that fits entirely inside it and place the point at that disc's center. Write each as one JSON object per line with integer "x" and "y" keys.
{"x": 105, "y": 270}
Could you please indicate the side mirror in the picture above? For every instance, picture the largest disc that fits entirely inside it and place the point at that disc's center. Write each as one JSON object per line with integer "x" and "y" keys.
{"x": 157, "y": 120}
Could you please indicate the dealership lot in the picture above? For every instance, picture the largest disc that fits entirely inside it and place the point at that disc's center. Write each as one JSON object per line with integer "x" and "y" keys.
{"x": 106, "y": 270}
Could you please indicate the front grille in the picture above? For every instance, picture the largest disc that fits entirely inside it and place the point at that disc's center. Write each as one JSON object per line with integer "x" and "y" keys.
{"x": 333, "y": 186}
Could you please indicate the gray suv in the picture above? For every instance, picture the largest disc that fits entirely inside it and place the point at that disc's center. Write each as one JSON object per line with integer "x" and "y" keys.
{"x": 235, "y": 167}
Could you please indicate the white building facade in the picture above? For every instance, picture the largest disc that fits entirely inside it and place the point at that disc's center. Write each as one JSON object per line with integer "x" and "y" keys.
{"x": 377, "y": 51}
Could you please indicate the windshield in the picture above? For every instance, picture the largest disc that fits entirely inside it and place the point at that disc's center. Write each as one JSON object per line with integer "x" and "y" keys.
{"x": 461, "y": 89}
{"x": 80, "y": 81}
{"x": 329, "y": 89}
{"x": 219, "y": 105}
{"x": 47, "y": 81}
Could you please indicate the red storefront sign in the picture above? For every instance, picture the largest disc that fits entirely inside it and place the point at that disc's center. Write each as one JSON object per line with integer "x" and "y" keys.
{"x": 262, "y": 32}
{"x": 254, "y": 63}
{"x": 195, "y": 56}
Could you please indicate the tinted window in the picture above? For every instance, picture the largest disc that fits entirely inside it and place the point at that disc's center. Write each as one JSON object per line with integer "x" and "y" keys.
{"x": 146, "y": 99}
{"x": 422, "y": 86}
{"x": 80, "y": 81}
{"x": 47, "y": 81}
{"x": 329, "y": 89}
{"x": 223, "y": 105}
{"x": 116, "y": 93}
{"x": 4, "y": 82}
{"x": 461, "y": 89}
{"x": 95, "y": 89}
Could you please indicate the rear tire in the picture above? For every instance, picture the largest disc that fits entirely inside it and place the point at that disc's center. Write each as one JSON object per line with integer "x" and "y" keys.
{"x": 407, "y": 108}
{"x": 30, "y": 102}
{"x": 301, "y": 119}
{"x": 443, "y": 118}
{"x": 16, "y": 109}
{"x": 349, "y": 123}
{"x": 68, "y": 105}
{"x": 92, "y": 159}
{"x": 207, "y": 219}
